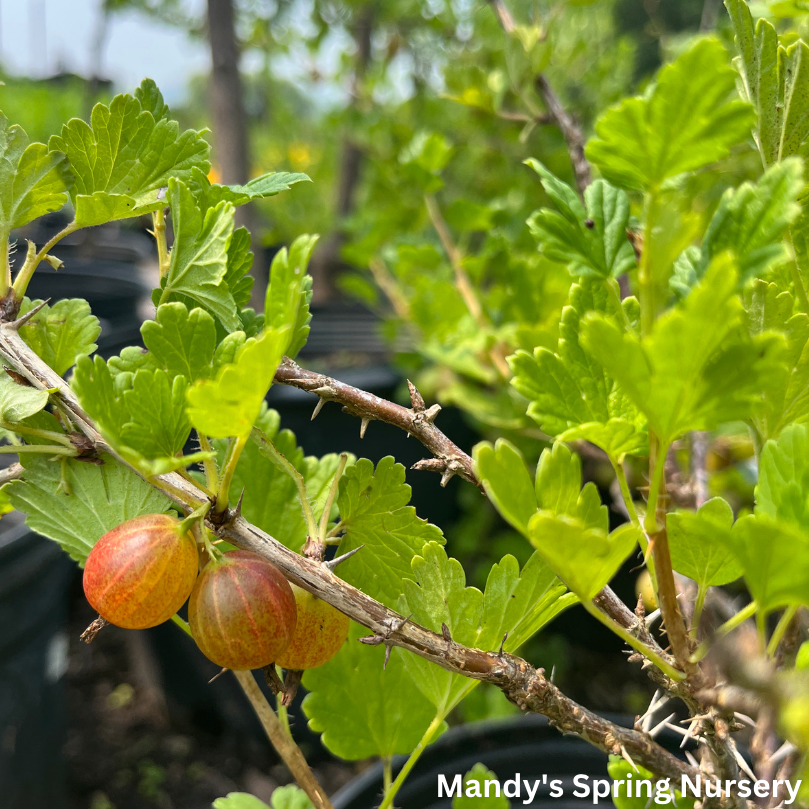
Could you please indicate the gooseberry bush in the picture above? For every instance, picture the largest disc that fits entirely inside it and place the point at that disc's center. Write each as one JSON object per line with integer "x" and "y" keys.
{"x": 163, "y": 473}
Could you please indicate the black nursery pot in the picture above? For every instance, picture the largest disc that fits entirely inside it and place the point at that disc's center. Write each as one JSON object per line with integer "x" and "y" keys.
{"x": 35, "y": 577}
{"x": 527, "y": 745}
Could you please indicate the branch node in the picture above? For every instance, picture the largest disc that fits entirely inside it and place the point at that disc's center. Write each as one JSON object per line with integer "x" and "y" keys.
{"x": 416, "y": 399}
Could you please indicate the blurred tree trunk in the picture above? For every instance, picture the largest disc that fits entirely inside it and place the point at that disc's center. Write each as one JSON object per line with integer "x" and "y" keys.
{"x": 226, "y": 96}
{"x": 326, "y": 262}
{"x": 229, "y": 121}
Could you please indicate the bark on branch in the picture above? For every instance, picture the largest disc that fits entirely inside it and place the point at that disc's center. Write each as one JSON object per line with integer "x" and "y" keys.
{"x": 521, "y": 682}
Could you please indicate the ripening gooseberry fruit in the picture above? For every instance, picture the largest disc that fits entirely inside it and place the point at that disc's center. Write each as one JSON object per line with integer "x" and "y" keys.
{"x": 320, "y": 632}
{"x": 242, "y": 612}
{"x": 140, "y": 573}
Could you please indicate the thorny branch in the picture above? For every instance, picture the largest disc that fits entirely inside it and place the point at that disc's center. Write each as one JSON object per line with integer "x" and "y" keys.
{"x": 568, "y": 126}
{"x": 520, "y": 682}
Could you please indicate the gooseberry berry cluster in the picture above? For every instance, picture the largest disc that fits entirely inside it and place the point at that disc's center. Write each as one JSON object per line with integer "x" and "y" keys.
{"x": 242, "y": 612}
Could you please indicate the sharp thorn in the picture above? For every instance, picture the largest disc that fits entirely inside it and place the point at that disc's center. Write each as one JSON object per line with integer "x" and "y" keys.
{"x": 21, "y": 321}
{"x": 740, "y": 760}
{"x": 237, "y": 512}
{"x": 691, "y": 760}
{"x": 364, "y": 426}
{"x": 431, "y": 412}
{"x": 502, "y": 644}
{"x": 447, "y": 476}
{"x": 332, "y": 563}
{"x": 786, "y": 749}
{"x": 318, "y": 408}
{"x": 388, "y": 647}
{"x": 217, "y": 676}
{"x": 400, "y": 624}
{"x": 628, "y": 759}
{"x": 553, "y": 673}
{"x": 446, "y": 633}
{"x": 658, "y": 727}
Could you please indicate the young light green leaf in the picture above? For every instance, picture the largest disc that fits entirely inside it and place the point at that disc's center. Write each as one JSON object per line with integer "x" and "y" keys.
{"x": 502, "y": 471}
{"x": 688, "y": 120}
{"x": 696, "y": 550}
{"x": 229, "y": 404}
{"x": 124, "y": 157}
{"x": 33, "y": 181}
{"x": 151, "y": 99}
{"x": 199, "y": 256}
{"x": 782, "y": 492}
{"x": 696, "y": 369}
{"x": 775, "y": 81}
{"x": 270, "y": 499}
{"x": 61, "y": 333}
{"x": 621, "y": 770}
{"x": 374, "y": 512}
{"x": 209, "y": 195}
{"x": 775, "y": 559}
{"x": 591, "y": 240}
{"x": 18, "y": 402}
{"x": 750, "y": 221}
{"x": 569, "y": 389}
{"x": 786, "y": 398}
{"x": 387, "y": 716}
{"x": 180, "y": 342}
{"x": 142, "y": 415}
{"x": 617, "y": 437}
{"x": 520, "y": 604}
{"x": 479, "y": 791}
{"x": 241, "y": 800}
{"x": 559, "y": 490}
{"x": 289, "y": 797}
{"x": 88, "y": 502}
{"x": 239, "y": 263}
{"x": 584, "y": 558}
{"x": 290, "y": 291}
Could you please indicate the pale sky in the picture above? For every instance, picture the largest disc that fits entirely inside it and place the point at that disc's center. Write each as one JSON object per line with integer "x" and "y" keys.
{"x": 136, "y": 46}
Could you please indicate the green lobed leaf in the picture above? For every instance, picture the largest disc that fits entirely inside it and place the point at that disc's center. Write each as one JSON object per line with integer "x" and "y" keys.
{"x": 569, "y": 390}
{"x": 474, "y": 793}
{"x": 750, "y": 222}
{"x": 199, "y": 256}
{"x": 124, "y": 157}
{"x": 180, "y": 342}
{"x": 621, "y": 770}
{"x": 775, "y": 81}
{"x": 786, "y": 397}
{"x": 502, "y": 471}
{"x": 18, "y": 402}
{"x": 290, "y": 292}
{"x": 688, "y": 120}
{"x": 775, "y": 559}
{"x": 209, "y": 195}
{"x": 100, "y": 498}
{"x": 589, "y": 239}
{"x": 520, "y": 604}
{"x": 374, "y": 513}
{"x": 696, "y": 549}
{"x": 142, "y": 415}
{"x": 33, "y": 180}
{"x": 290, "y": 796}
{"x": 782, "y": 492}
{"x": 387, "y": 716}
{"x": 239, "y": 263}
{"x": 229, "y": 404}
{"x": 697, "y": 368}
{"x": 61, "y": 333}
{"x": 584, "y": 558}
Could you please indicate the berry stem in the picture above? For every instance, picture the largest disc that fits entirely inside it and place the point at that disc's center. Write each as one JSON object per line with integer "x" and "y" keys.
{"x": 231, "y": 459}
{"x": 335, "y": 485}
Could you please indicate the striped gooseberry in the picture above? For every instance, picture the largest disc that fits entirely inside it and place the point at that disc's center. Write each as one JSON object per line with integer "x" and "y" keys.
{"x": 140, "y": 573}
{"x": 242, "y": 611}
{"x": 319, "y": 633}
